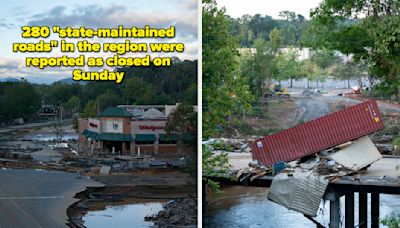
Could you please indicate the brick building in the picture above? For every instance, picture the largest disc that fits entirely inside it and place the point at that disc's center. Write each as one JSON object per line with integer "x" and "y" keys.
{"x": 130, "y": 129}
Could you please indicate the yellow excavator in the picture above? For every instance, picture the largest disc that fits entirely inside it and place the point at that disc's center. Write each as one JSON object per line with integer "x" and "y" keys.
{"x": 275, "y": 91}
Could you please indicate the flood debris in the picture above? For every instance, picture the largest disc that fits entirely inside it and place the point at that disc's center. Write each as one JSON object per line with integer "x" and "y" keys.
{"x": 358, "y": 155}
{"x": 105, "y": 170}
{"x": 306, "y": 158}
{"x": 176, "y": 213}
{"x": 300, "y": 191}
{"x": 237, "y": 145}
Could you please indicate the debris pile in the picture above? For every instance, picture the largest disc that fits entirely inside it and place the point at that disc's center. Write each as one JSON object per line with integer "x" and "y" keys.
{"x": 123, "y": 163}
{"x": 304, "y": 159}
{"x": 229, "y": 145}
{"x": 176, "y": 213}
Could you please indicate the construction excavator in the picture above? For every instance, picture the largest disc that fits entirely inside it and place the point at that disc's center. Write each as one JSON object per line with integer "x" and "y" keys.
{"x": 276, "y": 91}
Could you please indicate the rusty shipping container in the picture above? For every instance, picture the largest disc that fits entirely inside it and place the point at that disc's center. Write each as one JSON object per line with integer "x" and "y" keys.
{"x": 318, "y": 134}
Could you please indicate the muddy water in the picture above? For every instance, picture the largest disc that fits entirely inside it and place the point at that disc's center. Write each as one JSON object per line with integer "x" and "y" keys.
{"x": 122, "y": 216}
{"x": 239, "y": 206}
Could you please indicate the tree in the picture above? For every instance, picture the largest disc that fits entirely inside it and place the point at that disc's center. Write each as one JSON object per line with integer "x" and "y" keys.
{"x": 74, "y": 104}
{"x": 287, "y": 65}
{"x": 224, "y": 92}
{"x": 309, "y": 70}
{"x": 108, "y": 98}
{"x": 59, "y": 93}
{"x": 183, "y": 121}
{"x": 136, "y": 91}
{"x": 214, "y": 165}
{"x": 90, "y": 110}
{"x": 348, "y": 70}
{"x": 323, "y": 59}
{"x": 259, "y": 68}
{"x": 19, "y": 100}
{"x": 276, "y": 37}
{"x": 374, "y": 39}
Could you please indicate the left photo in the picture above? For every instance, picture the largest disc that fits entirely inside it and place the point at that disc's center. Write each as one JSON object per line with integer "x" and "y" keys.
{"x": 98, "y": 113}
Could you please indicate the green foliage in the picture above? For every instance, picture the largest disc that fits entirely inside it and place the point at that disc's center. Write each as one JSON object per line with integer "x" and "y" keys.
{"x": 247, "y": 29}
{"x": 136, "y": 91}
{"x": 396, "y": 141}
{"x": 73, "y": 103}
{"x": 224, "y": 92}
{"x": 109, "y": 98}
{"x": 60, "y": 93}
{"x": 323, "y": 58}
{"x": 374, "y": 39}
{"x": 18, "y": 100}
{"x": 347, "y": 71}
{"x": 223, "y": 146}
{"x": 142, "y": 85}
{"x": 90, "y": 110}
{"x": 214, "y": 165}
{"x": 392, "y": 221}
{"x": 184, "y": 122}
{"x": 259, "y": 68}
{"x": 287, "y": 65}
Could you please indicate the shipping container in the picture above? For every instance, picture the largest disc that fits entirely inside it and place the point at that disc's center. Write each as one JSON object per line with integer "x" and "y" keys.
{"x": 318, "y": 134}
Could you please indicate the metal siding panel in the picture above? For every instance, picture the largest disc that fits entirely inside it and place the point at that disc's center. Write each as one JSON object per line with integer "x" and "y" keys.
{"x": 319, "y": 134}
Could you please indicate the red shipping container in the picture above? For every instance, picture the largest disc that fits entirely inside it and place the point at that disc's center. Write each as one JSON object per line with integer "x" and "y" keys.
{"x": 318, "y": 134}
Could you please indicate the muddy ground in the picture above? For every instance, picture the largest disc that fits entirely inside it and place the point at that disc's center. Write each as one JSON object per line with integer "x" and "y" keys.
{"x": 131, "y": 180}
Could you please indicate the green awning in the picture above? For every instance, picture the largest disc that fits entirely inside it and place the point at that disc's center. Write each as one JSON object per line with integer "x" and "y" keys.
{"x": 145, "y": 137}
{"x": 90, "y": 134}
{"x": 171, "y": 137}
{"x": 84, "y": 132}
{"x": 93, "y": 135}
{"x": 115, "y": 137}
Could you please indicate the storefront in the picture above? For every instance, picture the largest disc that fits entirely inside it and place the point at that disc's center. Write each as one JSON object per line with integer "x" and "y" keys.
{"x": 129, "y": 130}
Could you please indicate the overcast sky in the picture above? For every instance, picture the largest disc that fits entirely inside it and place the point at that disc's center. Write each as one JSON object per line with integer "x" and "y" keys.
{"x": 94, "y": 14}
{"x": 237, "y": 8}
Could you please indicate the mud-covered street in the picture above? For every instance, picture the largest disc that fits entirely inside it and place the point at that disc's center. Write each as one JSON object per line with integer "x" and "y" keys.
{"x": 48, "y": 184}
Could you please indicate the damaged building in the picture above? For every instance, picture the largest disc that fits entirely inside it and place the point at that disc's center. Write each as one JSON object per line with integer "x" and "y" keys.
{"x": 130, "y": 129}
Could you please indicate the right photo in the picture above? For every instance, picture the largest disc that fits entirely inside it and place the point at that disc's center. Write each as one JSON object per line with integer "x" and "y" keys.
{"x": 301, "y": 113}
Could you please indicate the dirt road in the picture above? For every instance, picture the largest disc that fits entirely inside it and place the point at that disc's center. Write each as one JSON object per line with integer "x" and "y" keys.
{"x": 310, "y": 108}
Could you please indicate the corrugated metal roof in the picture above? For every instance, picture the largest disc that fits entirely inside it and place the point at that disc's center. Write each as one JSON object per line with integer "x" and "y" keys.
{"x": 358, "y": 155}
{"x": 318, "y": 134}
{"x": 301, "y": 192}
